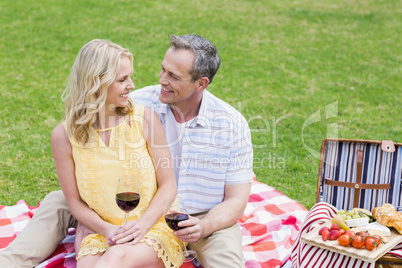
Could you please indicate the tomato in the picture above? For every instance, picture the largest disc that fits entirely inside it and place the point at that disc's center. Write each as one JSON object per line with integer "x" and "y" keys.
{"x": 377, "y": 238}
{"x": 362, "y": 233}
{"x": 344, "y": 240}
{"x": 342, "y": 231}
{"x": 325, "y": 235}
{"x": 350, "y": 233}
{"x": 370, "y": 243}
{"x": 357, "y": 241}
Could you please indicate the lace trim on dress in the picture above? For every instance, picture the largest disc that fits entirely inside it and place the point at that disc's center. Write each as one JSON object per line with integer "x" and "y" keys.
{"x": 92, "y": 244}
{"x": 156, "y": 243}
{"x": 169, "y": 250}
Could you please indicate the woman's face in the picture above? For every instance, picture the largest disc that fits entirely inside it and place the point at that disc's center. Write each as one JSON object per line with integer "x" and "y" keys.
{"x": 117, "y": 93}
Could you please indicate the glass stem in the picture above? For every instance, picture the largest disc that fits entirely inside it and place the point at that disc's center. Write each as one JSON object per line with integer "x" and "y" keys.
{"x": 126, "y": 218}
{"x": 185, "y": 250}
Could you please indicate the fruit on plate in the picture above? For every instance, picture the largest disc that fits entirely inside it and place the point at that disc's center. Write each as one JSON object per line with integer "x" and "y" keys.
{"x": 322, "y": 229}
{"x": 340, "y": 221}
{"x": 370, "y": 243}
{"x": 371, "y": 232}
{"x": 344, "y": 240}
{"x": 350, "y": 233}
{"x": 325, "y": 234}
{"x": 334, "y": 226}
{"x": 356, "y": 213}
{"x": 357, "y": 238}
{"x": 331, "y": 233}
{"x": 357, "y": 241}
{"x": 334, "y": 234}
{"x": 355, "y": 217}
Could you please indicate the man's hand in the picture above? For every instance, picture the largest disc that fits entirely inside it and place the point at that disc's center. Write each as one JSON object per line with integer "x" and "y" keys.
{"x": 191, "y": 232}
{"x": 80, "y": 233}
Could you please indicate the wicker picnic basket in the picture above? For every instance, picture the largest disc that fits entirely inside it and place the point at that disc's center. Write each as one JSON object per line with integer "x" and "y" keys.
{"x": 388, "y": 261}
{"x": 361, "y": 173}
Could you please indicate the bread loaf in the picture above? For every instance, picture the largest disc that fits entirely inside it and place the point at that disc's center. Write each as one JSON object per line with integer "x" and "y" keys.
{"x": 387, "y": 215}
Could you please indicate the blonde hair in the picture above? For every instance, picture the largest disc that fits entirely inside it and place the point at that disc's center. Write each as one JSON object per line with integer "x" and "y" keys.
{"x": 94, "y": 69}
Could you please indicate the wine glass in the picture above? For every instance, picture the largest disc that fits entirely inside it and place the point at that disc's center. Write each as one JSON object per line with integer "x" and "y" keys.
{"x": 174, "y": 214}
{"x": 128, "y": 195}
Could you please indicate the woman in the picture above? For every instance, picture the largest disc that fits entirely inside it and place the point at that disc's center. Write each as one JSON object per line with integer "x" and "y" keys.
{"x": 104, "y": 137}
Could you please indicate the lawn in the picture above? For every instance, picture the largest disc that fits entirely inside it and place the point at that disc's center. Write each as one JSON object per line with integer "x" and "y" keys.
{"x": 299, "y": 71}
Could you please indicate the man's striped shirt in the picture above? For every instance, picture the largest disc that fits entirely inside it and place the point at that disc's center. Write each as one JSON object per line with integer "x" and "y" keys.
{"x": 216, "y": 149}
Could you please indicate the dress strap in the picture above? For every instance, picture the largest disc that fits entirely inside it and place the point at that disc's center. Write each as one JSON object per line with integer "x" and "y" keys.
{"x": 137, "y": 117}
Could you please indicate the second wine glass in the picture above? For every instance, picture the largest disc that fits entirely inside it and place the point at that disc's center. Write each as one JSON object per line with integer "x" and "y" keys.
{"x": 174, "y": 214}
{"x": 128, "y": 195}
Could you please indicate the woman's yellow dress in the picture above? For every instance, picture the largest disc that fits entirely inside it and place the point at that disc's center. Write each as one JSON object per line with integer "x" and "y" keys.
{"x": 98, "y": 168}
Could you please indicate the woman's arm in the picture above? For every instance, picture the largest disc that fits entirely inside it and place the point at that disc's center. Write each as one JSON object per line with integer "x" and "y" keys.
{"x": 160, "y": 153}
{"x": 158, "y": 149}
{"x": 63, "y": 158}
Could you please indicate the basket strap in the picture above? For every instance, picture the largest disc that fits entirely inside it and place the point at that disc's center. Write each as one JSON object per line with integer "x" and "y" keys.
{"x": 358, "y": 178}
{"x": 358, "y": 185}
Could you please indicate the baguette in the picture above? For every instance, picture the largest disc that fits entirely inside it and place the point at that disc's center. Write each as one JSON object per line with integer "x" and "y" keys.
{"x": 387, "y": 215}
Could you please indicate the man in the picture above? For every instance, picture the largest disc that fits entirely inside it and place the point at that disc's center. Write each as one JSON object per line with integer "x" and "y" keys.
{"x": 212, "y": 153}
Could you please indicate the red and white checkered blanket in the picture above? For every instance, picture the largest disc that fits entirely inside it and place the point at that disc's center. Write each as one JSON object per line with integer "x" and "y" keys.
{"x": 270, "y": 226}
{"x": 308, "y": 256}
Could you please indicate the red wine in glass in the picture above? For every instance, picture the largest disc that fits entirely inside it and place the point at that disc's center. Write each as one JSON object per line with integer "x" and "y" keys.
{"x": 173, "y": 219}
{"x": 127, "y": 201}
{"x": 127, "y": 195}
{"x": 175, "y": 212}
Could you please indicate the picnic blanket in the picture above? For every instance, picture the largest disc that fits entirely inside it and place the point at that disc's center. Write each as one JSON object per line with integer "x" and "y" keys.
{"x": 306, "y": 256}
{"x": 270, "y": 226}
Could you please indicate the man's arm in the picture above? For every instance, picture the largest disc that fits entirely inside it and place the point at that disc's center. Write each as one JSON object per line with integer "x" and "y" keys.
{"x": 228, "y": 212}
{"x": 236, "y": 192}
{"x": 219, "y": 217}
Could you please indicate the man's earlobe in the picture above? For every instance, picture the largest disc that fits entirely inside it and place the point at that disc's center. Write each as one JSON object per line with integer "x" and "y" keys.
{"x": 203, "y": 82}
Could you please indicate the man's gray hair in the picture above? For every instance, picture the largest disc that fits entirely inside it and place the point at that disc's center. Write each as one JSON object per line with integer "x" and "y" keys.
{"x": 206, "y": 61}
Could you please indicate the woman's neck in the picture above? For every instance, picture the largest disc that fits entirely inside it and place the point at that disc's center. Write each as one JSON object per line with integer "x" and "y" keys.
{"x": 108, "y": 119}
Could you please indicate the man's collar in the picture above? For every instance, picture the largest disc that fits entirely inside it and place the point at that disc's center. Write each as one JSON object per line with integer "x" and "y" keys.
{"x": 200, "y": 119}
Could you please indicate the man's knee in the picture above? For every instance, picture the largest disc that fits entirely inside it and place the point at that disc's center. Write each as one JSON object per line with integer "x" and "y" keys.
{"x": 54, "y": 205}
{"x": 56, "y": 198}
{"x": 221, "y": 249}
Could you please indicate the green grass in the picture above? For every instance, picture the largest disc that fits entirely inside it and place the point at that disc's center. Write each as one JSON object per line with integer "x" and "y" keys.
{"x": 282, "y": 62}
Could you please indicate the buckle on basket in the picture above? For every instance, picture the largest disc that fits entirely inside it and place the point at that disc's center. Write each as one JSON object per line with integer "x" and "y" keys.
{"x": 357, "y": 186}
{"x": 387, "y": 146}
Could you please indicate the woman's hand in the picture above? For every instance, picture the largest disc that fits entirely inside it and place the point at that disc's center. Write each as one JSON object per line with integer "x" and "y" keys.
{"x": 129, "y": 233}
{"x": 110, "y": 234}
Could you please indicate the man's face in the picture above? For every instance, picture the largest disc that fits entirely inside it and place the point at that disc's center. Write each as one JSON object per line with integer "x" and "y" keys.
{"x": 177, "y": 86}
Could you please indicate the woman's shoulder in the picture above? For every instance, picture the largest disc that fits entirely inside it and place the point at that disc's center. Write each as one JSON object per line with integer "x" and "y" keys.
{"x": 59, "y": 134}
{"x": 150, "y": 115}
{"x": 59, "y": 130}
{"x": 142, "y": 111}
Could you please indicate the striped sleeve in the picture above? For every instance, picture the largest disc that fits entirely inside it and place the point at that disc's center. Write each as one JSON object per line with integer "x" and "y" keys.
{"x": 240, "y": 168}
